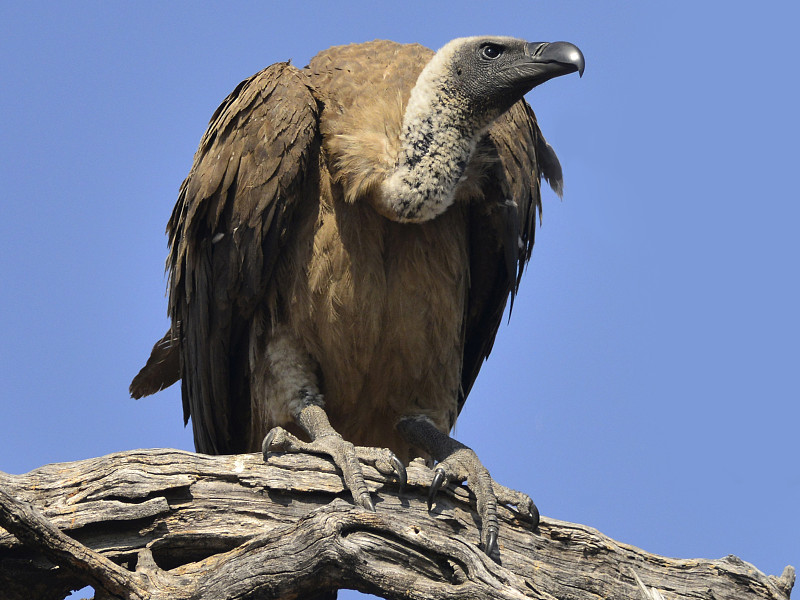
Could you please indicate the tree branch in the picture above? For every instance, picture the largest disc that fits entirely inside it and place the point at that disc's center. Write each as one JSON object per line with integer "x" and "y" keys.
{"x": 29, "y": 525}
{"x": 171, "y": 524}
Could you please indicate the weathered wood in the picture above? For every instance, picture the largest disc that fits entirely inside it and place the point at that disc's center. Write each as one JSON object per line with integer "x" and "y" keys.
{"x": 187, "y": 525}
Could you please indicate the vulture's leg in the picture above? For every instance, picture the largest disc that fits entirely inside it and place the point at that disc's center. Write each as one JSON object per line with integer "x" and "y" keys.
{"x": 284, "y": 376}
{"x": 325, "y": 440}
{"x": 458, "y": 463}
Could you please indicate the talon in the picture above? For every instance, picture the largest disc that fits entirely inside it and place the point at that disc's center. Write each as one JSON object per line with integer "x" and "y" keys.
{"x": 491, "y": 541}
{"x": 366, "y": 501}
{"x": 436, "y": 484}
{"x": 400, "y": 468}
{"x": 534, "y": 516}
{"x": 267, "y": 443}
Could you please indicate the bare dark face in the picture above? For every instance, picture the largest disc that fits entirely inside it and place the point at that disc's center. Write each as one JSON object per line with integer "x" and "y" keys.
{"x": 493, "y": 73}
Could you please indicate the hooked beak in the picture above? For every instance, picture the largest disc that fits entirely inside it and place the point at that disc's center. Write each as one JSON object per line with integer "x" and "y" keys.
{"x": 545, "y": 61}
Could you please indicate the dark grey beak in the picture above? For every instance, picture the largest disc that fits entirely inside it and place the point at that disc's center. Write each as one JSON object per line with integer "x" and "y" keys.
{"x": 555, "y": 59}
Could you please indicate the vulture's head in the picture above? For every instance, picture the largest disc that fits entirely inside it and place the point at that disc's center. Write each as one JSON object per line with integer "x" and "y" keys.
{"x": 467, "y": 84}
{"x": 486, "y": 75}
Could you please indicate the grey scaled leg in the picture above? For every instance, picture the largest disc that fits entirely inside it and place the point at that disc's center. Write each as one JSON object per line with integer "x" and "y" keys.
{"x": 458, "y": 463}
{"x": 284, "y": 375}
{"x": 311, "y": 416}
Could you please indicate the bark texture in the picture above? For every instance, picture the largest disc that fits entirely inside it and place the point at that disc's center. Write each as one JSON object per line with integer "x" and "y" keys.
{"x": 172, "y": 524}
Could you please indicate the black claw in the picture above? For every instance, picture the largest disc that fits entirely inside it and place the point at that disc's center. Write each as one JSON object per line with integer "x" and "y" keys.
{"x": 366, "y": 502}
{"x": 534, "y": 516}
{"x": 436, "y": 484}
{"x": 491, "y": 541}
{"x": 400, "y": 468}
{"x": 267, "y": 443}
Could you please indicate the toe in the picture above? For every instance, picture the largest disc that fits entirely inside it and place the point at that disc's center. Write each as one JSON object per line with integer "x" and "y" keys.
{"x": 346, "y": 458}
{"x": 464, "y": 464}
{"x": 523, "y": 503}
{"x": 278, "y": 439}
{"x": 385, "y": 461}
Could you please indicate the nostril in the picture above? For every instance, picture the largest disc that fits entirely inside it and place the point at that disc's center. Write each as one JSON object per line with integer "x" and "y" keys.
{"x": 540, "y": 49}
{"x": 534, "y": 49}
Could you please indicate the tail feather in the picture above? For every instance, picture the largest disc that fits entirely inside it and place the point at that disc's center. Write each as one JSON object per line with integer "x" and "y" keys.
{"x": 162, "y": 369}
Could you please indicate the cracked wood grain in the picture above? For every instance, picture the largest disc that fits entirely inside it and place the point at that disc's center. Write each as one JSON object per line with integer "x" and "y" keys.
{"x": 172, "y": 524}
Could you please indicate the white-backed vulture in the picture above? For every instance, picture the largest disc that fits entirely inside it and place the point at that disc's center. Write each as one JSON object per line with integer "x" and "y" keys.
{"x": 343, "y": 248}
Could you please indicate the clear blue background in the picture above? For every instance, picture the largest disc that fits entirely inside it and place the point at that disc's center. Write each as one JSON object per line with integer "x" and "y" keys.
{"x": 648, "y": 382}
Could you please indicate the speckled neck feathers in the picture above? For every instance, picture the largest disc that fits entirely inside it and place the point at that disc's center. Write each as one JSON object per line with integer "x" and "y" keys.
{"x": 437, "y": 138}
{"x": 406, "y": 146}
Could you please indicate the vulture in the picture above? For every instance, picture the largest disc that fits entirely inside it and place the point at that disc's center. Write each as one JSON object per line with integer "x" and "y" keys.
{"x": 343, "y": 249}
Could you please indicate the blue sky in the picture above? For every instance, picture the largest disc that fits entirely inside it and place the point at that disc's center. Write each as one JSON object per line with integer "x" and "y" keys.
{"x": 647, "y": 384}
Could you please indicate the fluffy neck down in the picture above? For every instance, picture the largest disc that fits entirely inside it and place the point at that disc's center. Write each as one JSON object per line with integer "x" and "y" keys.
{"x": 437, "y": 138}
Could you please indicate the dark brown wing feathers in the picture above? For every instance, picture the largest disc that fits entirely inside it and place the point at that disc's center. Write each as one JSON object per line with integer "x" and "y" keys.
{"x": 502, "y": 230}
{"x": 232, "y": 211}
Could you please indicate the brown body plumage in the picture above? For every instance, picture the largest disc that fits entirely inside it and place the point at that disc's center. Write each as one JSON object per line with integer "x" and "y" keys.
{"x": 290, "y": 275}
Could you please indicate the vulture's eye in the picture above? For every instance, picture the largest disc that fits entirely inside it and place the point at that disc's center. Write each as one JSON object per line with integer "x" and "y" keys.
{"x": 491, "y": 51}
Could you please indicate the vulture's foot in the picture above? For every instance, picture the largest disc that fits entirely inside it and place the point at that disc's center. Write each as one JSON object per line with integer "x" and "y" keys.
{"x": 458, "y": 463}
{"x": 346, "y": 456}
{"x": 464, "y": 465}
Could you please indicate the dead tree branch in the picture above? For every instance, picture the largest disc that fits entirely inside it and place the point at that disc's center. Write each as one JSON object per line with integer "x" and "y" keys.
{"x": 170, "y": 524}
